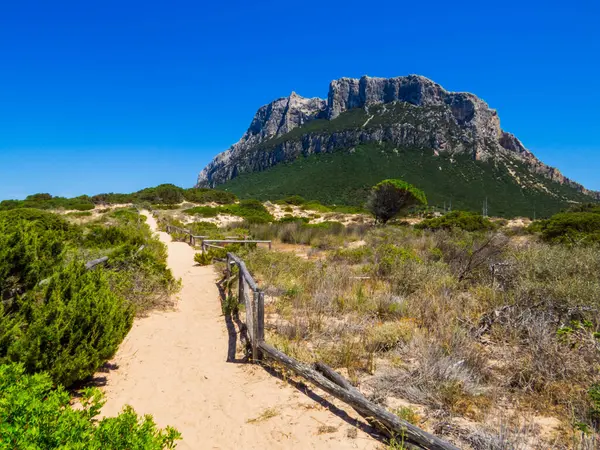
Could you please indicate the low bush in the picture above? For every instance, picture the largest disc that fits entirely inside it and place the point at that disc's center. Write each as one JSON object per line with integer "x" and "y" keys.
{"x": 69, "y": 327}
{"x": 203, "y": 211}
{"x": 292, "y": 219}
{"x": 295, "y": 200}
{"x": 582, "y": 227}
{"x": 316, "y": 206}
{"x": 34, "y": 414}
{"x": 252, "y": 211}
{"x": 55, "y": 315}
{"x": 204, "y": 195}
{"x": 203, "y": 259}
{"x": 46, "y": 201}
{"x": 167, "y": 194}
{"x": 32, "y": 243}
{"x": 463, "y": 220}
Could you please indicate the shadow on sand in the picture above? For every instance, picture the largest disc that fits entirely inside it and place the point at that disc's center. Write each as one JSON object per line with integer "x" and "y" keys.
{"x": 235, "y": 328}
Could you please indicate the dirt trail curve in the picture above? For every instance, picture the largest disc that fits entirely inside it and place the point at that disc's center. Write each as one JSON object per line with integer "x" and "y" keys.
{"x": 173, "y": 365}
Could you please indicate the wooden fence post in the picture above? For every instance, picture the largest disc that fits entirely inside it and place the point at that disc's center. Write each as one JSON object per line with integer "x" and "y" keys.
{"x": 241, "y": 298}
{"x": 260, "y": 321}
{"x": 256, "y": 340}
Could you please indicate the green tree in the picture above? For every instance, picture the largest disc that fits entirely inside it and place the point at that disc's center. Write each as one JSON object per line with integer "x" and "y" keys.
{"x": 389, "y": 198}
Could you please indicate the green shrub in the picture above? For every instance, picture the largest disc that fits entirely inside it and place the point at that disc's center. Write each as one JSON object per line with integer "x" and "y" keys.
{"x": 204, "y": 195}
{"x": 252, "y": 211}
{"x": 463, "y": 220}
{"x": 203, "y": 259}
{"x": 68, "y": 327}
{"x": 388, "y": 256}
{"x": 79, "y": 214}
{"x": 353, "y": 255}
{"x": 295, "y": 200}
{"x": 582, "y": 227}
{"x": 32, "y": 243}
{"x": 292, "y": 219}
{"x": 165, "y": 207}
{"x": 203, "y": 211}
{"x": 163, "y": 194}
{"x": 206, "y": 258}
{"x": 46, "y": 201}
{"x": 35, "y": 415}
{"x": 204, "y": 229}
{"x": 112, "y": 198}
{"x": 316, "y": 206}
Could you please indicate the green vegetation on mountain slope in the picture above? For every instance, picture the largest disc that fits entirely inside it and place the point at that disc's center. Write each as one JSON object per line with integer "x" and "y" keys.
{"x": 345, "y": 177}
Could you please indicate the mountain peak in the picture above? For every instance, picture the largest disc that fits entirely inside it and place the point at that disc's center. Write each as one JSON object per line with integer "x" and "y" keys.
{"x": 407, "y": 111}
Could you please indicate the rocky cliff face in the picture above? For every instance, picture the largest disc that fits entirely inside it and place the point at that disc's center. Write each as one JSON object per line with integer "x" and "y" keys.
{"x": 405, "y": 111}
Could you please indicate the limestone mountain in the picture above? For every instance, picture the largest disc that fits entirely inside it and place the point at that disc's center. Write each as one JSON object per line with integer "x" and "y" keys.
{"x": 448, "y": 143}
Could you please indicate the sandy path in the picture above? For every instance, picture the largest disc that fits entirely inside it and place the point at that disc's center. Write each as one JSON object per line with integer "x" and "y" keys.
{"x": 173, "y": 365}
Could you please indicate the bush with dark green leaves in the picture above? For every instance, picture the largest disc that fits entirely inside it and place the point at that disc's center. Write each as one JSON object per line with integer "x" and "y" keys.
{"x": 36, "y": 415}
{"x": 578, "y": 226}
{"x": 167, "y": 194}
{"x": 113, "y": 198}
{"x": 32, "y": 243}
{"x": 252, "y": 211}
{"x": 55, "y": 315}
{"x": 462, "y": 220}
{"x": 203, "y": 211}
{"x": 68, "y": 327}
{"x": 205, "y": 195}
{"x": 389, "y": 198}
{"x": 46, "y": 201}
{"x": 295, "y": 200}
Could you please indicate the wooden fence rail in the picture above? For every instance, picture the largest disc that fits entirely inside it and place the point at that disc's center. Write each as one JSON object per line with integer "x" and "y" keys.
{"x": 319, "y": 374}
{"x": 204, "y": 241}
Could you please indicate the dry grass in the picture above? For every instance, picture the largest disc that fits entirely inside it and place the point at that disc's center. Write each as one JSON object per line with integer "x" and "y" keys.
{"x": 267, "y": 414}
{"x": 469, "y": 325}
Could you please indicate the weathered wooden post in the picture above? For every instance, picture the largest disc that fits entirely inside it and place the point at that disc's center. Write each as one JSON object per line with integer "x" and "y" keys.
{"x": 241, "y": 298}
{"x": 260, "y": 322}
{"x": 255, "y": 331}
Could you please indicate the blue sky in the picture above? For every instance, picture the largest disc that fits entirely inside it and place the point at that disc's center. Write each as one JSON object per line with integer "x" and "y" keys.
{"x": 120, "y": 95}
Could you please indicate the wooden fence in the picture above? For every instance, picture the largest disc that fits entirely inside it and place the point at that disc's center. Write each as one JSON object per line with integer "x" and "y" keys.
{"x": 319, "y": 374}
{"x": 205, "y": 242}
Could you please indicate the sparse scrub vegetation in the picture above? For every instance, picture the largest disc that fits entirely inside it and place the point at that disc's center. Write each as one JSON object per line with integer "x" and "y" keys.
{"x": 453, "y": 315}
{"x": 462, "y": 220}
{"x": 252, "y": 211}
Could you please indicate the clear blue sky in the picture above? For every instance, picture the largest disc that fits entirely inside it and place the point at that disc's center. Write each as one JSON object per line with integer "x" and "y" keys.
{"x": 120, "y": 95}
